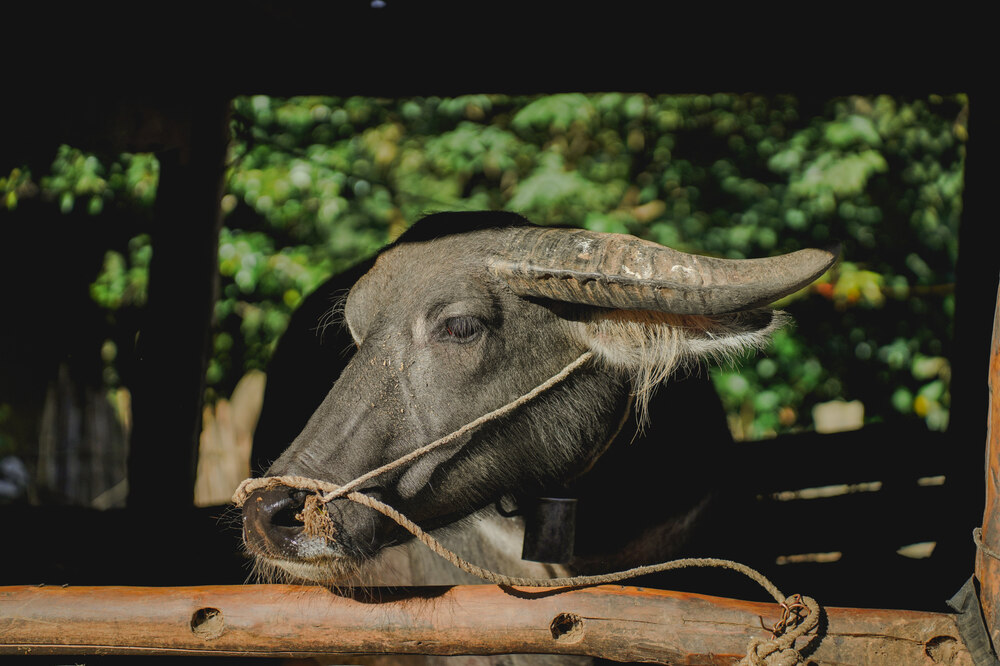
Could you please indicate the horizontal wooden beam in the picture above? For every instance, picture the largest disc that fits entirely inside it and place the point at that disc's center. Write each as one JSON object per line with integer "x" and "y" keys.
{"x": 614, "y": 622}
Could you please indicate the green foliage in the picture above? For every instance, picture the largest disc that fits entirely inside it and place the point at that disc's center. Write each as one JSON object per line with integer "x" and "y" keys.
{"x": 728, "y": 175}
{"x": 80, "y": 179}
{"x": 555, "y": 114}
{"x": 123, "y": 281}
{"x": 262, "y": 285}
{"x": 317, "y": 183}
{"x": 15, "y": 186}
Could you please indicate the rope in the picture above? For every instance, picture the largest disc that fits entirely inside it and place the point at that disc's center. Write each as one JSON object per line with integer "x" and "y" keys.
{"x": 249, "y": 485}
{"x": 977, "y": 538}
{"x": 775, "y": 652}
{"x": 778, "y": 651}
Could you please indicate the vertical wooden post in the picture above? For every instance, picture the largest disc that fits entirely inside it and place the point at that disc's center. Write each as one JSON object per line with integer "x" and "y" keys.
{"x": 987, "y": 566}
{"x": 174, "y": 339}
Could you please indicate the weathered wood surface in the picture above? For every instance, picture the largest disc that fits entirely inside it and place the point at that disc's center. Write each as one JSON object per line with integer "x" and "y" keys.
{"x": 615, "y": 622}
{"x": 987, "y": 567}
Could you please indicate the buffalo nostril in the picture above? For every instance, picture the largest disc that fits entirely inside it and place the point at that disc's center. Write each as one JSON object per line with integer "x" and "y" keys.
{"x": 286, "y": 516}
{"x": 276, "y": 507}
{"x": 270, "y": 525}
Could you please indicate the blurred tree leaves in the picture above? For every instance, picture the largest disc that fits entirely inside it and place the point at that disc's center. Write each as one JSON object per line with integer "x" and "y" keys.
{"x": 317, "y": 183}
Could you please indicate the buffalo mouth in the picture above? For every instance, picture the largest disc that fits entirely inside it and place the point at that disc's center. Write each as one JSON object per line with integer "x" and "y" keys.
{"x": 274, "y": 535}
{"x": 321, "y": 571}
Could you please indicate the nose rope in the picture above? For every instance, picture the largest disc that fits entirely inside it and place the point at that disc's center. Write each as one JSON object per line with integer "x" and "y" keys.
{"x": 334, "y": 491}
{"x": 800, "y": 613}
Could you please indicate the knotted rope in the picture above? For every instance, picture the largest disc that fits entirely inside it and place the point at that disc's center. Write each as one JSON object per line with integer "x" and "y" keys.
{"x": 778, "y": 651}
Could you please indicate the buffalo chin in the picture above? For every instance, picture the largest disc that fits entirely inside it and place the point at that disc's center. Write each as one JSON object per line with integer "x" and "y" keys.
{"x": 320, "y": 570}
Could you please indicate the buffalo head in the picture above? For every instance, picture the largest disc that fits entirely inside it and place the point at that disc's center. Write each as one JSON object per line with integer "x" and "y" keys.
{"x": 468, "y": 311}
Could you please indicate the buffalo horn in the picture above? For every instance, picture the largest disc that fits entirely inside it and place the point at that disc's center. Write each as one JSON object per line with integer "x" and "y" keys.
{"x": 625, "y": 272}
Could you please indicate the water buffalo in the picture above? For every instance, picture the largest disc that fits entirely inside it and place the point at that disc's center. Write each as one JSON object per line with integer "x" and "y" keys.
{"x": 467, "y": 311}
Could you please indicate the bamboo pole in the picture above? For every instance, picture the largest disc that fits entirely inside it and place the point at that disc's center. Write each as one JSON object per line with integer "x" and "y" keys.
{"x": 987, "y": 567}
{"x": 614, "y": 622}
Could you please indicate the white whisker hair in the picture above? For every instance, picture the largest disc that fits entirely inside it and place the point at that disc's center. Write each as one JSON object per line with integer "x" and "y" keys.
{"x": 335, "y": 315}
{"x": 651, "y": 346}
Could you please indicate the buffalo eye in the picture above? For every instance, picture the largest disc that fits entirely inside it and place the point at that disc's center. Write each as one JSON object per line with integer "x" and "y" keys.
{"x": 462, "y": 329}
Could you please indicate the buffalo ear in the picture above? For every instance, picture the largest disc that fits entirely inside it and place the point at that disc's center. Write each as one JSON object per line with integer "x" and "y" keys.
{"x": 650, "y": 346}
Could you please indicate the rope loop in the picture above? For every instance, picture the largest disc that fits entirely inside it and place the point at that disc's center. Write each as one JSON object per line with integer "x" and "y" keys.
{"x": 315, "y": 520}
{"x": 799, "y": 614}
{"x": 977, "y": 538}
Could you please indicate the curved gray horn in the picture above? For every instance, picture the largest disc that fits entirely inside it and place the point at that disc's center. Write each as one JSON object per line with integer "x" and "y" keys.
{"x": 625, "y": 272}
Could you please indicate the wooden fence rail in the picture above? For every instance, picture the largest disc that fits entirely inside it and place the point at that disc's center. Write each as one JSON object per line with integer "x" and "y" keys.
{"x": 614, "y": 622}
